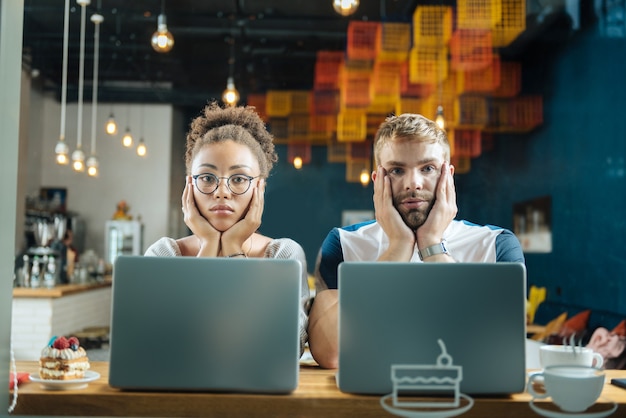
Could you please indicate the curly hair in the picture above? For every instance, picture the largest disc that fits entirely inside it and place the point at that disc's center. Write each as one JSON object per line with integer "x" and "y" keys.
{"x": 240, "y": 124}
{"x": 410, "y": 127}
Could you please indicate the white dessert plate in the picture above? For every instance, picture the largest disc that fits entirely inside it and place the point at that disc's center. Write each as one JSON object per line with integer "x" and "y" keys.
{"x": 611, "y": 407}
{"x": 49, "y": 384}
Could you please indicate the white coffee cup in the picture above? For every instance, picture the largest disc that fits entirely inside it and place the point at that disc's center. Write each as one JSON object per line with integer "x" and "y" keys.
{"x": 572, "y": 388}
{"x": 567, "y": 355}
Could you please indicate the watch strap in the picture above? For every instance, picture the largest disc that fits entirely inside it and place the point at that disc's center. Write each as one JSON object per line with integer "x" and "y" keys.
{"x": 436, "y": 249}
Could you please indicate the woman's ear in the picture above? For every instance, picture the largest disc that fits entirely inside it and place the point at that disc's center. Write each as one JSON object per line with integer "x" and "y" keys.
{"x": 451, "y": 169}
{"x": 373, "y": 176}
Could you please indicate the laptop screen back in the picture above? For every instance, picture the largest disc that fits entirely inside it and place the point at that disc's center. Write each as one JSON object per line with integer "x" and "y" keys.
{"x": 205, "y": 324}
{"x": 396, "y": 314}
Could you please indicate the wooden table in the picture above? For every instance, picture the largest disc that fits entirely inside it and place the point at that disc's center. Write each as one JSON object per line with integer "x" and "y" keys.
{"x": 316, "y": 396}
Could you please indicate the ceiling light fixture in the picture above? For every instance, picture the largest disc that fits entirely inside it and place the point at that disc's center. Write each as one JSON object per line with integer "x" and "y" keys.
{"x": 439, "y": 119}
{"x": 61, "y": 149}
{"x": 364, "y": 177}
{"x": 78, "y": 156}
{"x": 111, "y": 126}
{"x": 162, "y": 39}
{"x": 92, "y": 161}
{"x": 231, "y": 95}
{"x": 141, "y": 147}
{"x": 345, "y": 7}
{"x": 127, "y": 139}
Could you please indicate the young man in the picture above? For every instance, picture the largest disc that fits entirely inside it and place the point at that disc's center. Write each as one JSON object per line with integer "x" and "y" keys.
{"x": 415, "y": 205}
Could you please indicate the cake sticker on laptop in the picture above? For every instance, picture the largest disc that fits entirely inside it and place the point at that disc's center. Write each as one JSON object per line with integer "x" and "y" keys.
{"x": 427, "y": 390}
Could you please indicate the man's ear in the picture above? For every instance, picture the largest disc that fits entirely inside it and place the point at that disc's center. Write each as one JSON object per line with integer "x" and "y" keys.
{"x": 373, "y": 175}
{"x": 451, "y": 169}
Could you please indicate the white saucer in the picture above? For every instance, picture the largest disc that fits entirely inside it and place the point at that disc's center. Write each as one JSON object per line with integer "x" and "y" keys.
{"x": 563, "y": 414}
{"x": 420, "y": 413}
{"x": 50, "y": 384}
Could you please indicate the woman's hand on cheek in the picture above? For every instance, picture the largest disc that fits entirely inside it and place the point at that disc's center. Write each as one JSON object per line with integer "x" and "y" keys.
{"x": 197, "y": 223}
{"x": 234, "y": 238}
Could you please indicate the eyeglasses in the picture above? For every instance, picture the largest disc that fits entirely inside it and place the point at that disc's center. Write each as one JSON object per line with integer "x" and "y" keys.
{"x": 207, "y": 183}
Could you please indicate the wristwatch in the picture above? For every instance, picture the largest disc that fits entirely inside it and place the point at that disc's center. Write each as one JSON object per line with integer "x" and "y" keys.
{"x": 433, "y": 250}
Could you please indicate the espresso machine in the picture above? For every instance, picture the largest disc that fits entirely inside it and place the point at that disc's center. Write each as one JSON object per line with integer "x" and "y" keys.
{"x": 44, "y": 262}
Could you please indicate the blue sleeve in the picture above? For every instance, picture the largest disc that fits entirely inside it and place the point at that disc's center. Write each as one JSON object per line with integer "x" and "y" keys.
{"x": 508, "y": 248}
{"x": 331, "y": 256}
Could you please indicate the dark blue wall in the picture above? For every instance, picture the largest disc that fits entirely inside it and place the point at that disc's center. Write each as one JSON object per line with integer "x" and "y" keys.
{"x": 306, "y": 204}
{"x": 576, "y": 157}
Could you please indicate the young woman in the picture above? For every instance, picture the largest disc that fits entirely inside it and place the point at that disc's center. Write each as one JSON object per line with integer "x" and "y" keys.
{"x": 229, "y": 155}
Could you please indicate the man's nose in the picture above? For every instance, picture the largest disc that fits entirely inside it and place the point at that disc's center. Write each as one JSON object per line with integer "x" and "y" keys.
{"x": 414, "y": 179}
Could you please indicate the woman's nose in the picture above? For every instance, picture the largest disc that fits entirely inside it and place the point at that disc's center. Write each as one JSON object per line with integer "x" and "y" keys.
{"x": 222, "y": 188}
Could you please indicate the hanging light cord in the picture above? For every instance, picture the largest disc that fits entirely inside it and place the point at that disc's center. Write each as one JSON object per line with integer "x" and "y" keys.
{"x": 66, "y": 31}
{"x": 81, "y": 73}
{"x": 97, "y": 19}
{"x": 231, "y": 61}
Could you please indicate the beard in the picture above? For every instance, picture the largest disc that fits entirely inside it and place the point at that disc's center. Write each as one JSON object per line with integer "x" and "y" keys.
{"x": 414, "y": 218}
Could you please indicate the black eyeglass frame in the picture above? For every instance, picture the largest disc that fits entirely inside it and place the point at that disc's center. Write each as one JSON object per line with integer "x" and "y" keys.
{"x": 219, "y": 179}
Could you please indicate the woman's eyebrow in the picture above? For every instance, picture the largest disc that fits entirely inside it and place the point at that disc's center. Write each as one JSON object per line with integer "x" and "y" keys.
{"x": 235, "y": 167}
{"x": 208, "y": 166}
{"x": 232, "y": 167}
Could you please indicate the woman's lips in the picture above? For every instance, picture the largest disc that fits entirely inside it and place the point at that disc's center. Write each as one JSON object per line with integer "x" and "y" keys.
{"x": 222, "y": 210}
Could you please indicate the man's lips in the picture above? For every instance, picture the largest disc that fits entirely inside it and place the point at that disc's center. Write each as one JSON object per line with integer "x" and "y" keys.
{"x": 413, "y": 203}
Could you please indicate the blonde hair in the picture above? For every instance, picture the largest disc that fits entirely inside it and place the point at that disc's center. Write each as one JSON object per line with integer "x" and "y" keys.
{"x": 410, "y": 127}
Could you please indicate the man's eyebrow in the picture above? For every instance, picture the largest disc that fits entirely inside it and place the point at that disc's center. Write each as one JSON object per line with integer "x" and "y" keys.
{"x": 420, "y": 162}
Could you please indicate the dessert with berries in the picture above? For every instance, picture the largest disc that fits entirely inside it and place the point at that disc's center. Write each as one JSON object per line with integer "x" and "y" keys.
{"x": 63, "y": 359}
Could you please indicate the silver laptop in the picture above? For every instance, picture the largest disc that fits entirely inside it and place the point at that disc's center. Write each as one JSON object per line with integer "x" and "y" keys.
{"x": 416, "y": 323}
{"x": 205, "y": 324}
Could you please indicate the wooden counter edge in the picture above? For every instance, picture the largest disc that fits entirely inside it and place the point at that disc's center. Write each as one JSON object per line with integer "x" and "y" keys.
{"x": 316, "y": 395}
{"x": 59, "y": 290}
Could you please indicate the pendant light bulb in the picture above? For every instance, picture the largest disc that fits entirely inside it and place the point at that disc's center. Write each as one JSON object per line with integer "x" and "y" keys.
{"x": 230, "y": 95}
{"x": 78, "y": 160}
{"x": 297, "y": 163}
{"x": 439, "y": 119}
{"x": 162, "y": 39}
{"x": 345, "y": 7}
{"x": 92, "y": 166}
{"x": 111, "y": 126}
{"x": 62, "y": 152}
{"x": 364, "y": 177}
{"x": 141, "y": 148}
{"x": 127, "y": 139}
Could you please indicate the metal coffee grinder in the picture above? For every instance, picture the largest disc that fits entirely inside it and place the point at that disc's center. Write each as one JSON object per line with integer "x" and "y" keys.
{"x": 40, "y": 265}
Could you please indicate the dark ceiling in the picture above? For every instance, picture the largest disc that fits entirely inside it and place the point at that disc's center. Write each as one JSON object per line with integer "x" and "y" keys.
{"x": 274, "y": 43}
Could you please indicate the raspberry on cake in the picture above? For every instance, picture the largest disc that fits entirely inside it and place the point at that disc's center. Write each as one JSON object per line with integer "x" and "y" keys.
{"x": 63, "y": 359}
